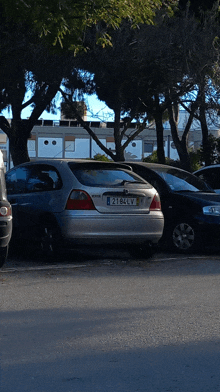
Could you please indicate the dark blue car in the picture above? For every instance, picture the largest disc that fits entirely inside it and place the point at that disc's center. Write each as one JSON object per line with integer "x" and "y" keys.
{"x": 191, "y": 208}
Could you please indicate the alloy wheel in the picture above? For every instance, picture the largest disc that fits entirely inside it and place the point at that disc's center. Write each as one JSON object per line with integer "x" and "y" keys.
{"x": 183, "y": 236}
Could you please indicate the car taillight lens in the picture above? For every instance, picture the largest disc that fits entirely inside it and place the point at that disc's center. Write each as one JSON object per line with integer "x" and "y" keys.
{"x": 5, "y": 211}
{"x": 79, "y": 200}
{"x": 155, "y": 204}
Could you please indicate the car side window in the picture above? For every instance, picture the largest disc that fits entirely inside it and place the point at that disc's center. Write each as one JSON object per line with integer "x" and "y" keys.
{"x": 212, "y": 177}
{"x": 16, "y": 180}
{"x": 43, "y": 178}
{"x": 151, "y": 178}
{"x": 32, "y": 178}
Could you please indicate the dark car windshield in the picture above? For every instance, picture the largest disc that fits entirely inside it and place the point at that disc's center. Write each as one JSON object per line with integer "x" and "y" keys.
{"x": 105, "y": 177}
{"x": 180, "y": 180}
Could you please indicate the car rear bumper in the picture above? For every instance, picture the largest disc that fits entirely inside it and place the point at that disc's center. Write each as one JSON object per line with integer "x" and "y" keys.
{"x": 92, "y": 227}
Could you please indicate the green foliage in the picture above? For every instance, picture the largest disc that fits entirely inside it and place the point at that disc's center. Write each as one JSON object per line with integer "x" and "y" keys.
{"x": 151, "y": 158}
{"x": 154, "y": 159}
{"x": 195, "y": 160}
{"x": 211, "y": 152}
{"x": 198, "y": 7}
{"x": 63, "y": 23}
{"x": 100, "y": 157}
{"x": 69, "y": 110}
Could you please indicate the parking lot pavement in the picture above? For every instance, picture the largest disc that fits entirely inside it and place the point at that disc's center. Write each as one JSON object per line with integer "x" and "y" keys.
{"x": 103, "y": 321}
{"x": 99, "y": 256}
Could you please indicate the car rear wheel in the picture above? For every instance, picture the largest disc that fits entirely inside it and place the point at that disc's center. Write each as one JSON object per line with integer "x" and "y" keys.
{"x": 49, "y": 240}
{"x": 3, "y": 255}
{"x": 185, "y": 237}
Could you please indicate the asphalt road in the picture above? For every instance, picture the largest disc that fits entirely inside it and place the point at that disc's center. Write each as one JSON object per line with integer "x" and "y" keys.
{"x": 106, "y": 322}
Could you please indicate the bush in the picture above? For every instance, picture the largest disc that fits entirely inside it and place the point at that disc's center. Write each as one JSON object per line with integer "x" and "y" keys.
{"x": 153, "y": 159}
{"x": 211, "y": 153}
{"x": 195, "y": 160}
{"x": 100, "y": 157}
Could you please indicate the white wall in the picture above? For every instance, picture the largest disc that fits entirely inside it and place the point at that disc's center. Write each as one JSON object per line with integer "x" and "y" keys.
{"x": 81, "y": 149}
{"x": 50, "y": 147}
{"x": 134, "y": 150}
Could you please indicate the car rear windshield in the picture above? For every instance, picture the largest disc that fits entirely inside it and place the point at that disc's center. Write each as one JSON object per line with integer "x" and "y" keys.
{"x": 101, "y": 177}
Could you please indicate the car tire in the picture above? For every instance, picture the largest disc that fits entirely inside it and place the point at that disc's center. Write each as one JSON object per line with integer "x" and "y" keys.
{"x": 185, "y": 237}
{"x": 49, "y": 240}
{"x": 3, "y": 255}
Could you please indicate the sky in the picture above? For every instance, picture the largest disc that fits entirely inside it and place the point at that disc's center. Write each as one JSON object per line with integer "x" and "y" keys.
{"x": 96, "y": 111}
{"x": 99, "y": 109}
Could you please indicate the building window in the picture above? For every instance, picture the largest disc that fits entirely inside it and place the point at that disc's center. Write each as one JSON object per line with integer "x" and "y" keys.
{"x": 148, "y": 147}
{"x": 70, "y": 145}
{"x": 31, "y": 145}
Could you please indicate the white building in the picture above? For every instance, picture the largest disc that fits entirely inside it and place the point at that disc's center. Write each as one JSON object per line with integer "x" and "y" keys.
{"x": 67, "y": 139}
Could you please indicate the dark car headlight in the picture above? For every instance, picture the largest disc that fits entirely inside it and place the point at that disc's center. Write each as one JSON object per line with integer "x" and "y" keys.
{"x": 211, "y": 210}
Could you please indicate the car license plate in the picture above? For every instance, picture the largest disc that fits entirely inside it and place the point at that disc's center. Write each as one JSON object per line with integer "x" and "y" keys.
{"x": 122, "y": 201}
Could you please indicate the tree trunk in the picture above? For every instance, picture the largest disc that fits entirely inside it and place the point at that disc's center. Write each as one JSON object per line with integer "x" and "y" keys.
{"x": 18, "y": 136}
{"x": 19, "y": 130}
{"x": 18, "y": 149}
{"x": 119, "y": 151}
{"x": 181, "y": 145}
{"x": 158, "y": 116}
{"x": 18, "y": 133}
{"x": 184, "y": 157}
{"x": 205, "y": 136}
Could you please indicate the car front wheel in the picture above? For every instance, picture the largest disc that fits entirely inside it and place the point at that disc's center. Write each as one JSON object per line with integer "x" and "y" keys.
{"x": 185, "y": 237}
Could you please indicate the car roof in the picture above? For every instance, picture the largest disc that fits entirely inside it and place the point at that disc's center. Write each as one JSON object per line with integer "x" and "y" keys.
{"x": 207, "y": 167}
{"x": 147, "y": 164}
{"x": 152, "y": 166}
{"x": 52, "y": 161}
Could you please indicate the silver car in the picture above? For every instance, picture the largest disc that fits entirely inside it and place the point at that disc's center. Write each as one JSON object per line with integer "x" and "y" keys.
{"x": 60, "y": 202}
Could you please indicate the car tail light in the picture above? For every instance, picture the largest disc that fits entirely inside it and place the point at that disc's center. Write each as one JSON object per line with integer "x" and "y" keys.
{"x": 79, "y": 200}
{"x": 5, "y": 211}
{"x": 155, "y": 204}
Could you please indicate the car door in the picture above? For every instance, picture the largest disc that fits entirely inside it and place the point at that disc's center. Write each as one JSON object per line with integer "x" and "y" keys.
{"x": 16, "y": 187}
{"x": 30, "y": 191}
